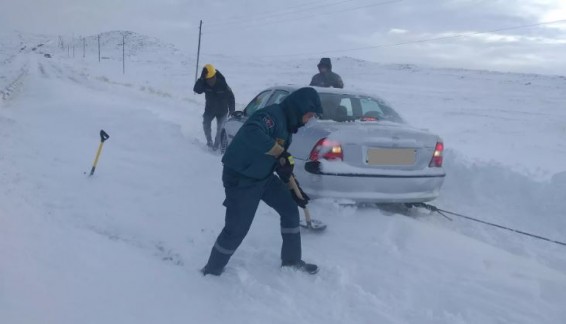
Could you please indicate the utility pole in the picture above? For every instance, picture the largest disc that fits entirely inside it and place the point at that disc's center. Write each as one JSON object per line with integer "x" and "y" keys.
{"x": 99, "y": 48}
{"x": 123, "y": 54}
{"x": 198, "y": 51}
{"x": 84, "y": 47}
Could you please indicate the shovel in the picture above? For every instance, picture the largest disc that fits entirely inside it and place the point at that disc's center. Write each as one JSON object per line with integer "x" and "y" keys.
{"x": 103, "y": 138}
{"x": 310, "y": 224}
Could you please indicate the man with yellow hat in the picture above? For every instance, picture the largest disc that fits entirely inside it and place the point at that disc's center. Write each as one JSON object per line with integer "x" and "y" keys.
{"x": 219, "y": 102}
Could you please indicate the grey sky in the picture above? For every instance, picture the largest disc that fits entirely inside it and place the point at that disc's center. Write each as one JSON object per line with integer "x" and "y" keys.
{"x": 333, "y": 28}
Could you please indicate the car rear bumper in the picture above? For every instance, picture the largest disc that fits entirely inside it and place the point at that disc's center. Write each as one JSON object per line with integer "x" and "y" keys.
{"x": 371, "y": 188}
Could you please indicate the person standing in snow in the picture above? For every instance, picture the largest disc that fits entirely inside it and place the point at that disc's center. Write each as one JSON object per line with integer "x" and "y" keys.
{"x": 219, "y": 102}
{"x": 258, "y": 150}
{"x": 326, "y": 78}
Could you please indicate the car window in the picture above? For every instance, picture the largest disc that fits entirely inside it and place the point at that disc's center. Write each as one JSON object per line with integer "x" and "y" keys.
{"x": 277, "y": 97}
{"x": 329, "y": 103}
{"x": 370, "y": 107}
{"x": 256, "y": 103}
{"x": 347, "y": 103}
{"x": 343, "y": 107}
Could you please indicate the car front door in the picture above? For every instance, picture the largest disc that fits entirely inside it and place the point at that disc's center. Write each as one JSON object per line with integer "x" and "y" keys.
{"x": 277, "y": 97}
{"x": 233, "y": 124}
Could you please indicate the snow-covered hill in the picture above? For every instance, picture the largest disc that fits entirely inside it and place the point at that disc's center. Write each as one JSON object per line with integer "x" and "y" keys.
{"x": 125, "y": 245}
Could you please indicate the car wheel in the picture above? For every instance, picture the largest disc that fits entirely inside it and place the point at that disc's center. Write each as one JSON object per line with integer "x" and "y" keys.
{"x": 223, "y": 142}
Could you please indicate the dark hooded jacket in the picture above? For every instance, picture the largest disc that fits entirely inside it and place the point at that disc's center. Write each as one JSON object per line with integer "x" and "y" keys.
{"x": 327, "y": 79}
{"x": 219, "y": 98}
{"x": 247, "y": 154}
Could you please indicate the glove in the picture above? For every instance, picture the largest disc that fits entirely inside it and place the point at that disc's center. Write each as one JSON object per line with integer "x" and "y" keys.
{"x": 203, "y": 73}
{"x": 300, "y": 202}
{"x": 285, "y": 166}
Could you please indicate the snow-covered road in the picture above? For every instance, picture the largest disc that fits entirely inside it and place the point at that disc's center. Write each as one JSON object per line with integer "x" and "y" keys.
{"x": 125, "y": 245}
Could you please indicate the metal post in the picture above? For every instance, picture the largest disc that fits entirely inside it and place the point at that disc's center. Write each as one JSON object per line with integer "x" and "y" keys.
{"x": 123, "y": 54}
{"x": 198, "y": 51}
{"x": 98, "y": 48}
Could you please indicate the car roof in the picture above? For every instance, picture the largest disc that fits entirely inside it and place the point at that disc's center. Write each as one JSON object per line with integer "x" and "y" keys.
{"x": 293, "y": 87}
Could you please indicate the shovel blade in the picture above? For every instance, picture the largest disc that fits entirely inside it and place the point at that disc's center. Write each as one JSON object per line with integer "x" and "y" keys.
{"x": 314, "y": 226}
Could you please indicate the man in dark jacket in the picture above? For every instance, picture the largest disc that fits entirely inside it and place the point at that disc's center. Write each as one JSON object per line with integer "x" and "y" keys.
{"x": 219, "y": 101}
{"x": 257, "y": 150}
{"x": 326, "y": 78}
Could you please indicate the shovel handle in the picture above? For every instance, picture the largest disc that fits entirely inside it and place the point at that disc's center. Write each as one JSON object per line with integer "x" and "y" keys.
{"x": 295, "y": 188}
{"x": 103, "y": 136}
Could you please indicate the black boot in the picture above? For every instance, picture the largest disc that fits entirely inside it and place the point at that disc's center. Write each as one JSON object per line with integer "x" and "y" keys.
{"x": 301, "y": 265}
{"x": 205, "y": 271}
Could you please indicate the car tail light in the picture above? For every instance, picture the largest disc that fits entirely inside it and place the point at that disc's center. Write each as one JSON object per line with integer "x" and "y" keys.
{"x": 436, "y": 161}
{"x": 326, "y": 149}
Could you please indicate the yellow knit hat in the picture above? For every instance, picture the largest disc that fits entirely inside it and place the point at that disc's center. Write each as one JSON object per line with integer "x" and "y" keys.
{"x": 211, "y": 71}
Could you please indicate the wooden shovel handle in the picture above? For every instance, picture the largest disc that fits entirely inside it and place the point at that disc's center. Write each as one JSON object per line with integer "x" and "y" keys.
{"x": 295, "y": 188}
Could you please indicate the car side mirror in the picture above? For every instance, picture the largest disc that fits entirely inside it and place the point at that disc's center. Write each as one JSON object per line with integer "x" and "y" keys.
{"x": 238, "y": 114}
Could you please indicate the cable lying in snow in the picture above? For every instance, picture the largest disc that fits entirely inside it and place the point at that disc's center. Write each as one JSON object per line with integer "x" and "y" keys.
{"x": 442, "y": 212}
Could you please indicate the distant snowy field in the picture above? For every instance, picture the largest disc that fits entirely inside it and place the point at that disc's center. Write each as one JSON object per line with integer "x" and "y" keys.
{"x": 125, "y": 246}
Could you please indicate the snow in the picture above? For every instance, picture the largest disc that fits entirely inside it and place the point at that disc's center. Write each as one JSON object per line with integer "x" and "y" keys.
{"x": 125, "y": 245}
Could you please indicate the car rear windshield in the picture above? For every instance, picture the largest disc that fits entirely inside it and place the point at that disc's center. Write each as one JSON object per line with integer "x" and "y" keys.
{"x": 343, "y": 108}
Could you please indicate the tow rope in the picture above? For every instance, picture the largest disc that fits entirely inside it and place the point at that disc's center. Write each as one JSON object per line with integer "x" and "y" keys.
{"x": 443, "y": 212}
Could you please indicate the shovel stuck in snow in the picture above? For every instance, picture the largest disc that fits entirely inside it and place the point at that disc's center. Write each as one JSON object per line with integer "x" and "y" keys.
{"x": 310, "y": 224}
{"x": 103, "y": 137}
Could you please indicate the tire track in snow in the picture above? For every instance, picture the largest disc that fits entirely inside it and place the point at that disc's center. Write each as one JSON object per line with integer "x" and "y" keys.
{"x": 158, "y": 249}
{"x": 13, "y": 86}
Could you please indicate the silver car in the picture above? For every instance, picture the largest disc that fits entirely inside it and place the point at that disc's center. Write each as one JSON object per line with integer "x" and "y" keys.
{"x": 359, "y": 150}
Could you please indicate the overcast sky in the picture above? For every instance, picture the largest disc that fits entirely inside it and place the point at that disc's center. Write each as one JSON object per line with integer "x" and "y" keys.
{"x": 452, "y": 33}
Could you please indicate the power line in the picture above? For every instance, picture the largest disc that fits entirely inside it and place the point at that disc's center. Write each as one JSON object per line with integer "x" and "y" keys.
{"x": 238, "y": 19}
{"x": 283, "y": 12}
{"x": 255, "y": 23}
{"x": 423, "y": 40}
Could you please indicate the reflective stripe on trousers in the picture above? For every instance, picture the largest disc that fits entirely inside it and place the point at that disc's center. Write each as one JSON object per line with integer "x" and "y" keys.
{"x": 223, "y": 250}
{"x": 292, "y": 230}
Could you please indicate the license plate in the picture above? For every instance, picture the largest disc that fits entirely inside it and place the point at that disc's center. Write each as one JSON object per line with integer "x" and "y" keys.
{"x": 390, "y": 156}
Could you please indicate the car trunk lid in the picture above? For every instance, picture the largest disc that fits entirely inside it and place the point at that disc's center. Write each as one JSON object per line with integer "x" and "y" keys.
{"x": 382, "y": 145}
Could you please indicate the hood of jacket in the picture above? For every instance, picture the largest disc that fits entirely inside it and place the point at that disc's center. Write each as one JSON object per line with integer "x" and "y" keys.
{"x": 325, "y": 61}
{"x": 297, "y": 104}
{"x": 220, "y": 81}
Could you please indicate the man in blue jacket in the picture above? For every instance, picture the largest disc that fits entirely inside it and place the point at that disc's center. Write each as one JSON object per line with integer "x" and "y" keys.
{"x": 257, "y": 150}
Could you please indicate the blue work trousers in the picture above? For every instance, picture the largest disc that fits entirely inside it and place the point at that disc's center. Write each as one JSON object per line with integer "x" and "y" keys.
{"x": 242, "y": 199}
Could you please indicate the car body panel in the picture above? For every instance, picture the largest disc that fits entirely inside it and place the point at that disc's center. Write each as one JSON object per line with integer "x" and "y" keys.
{"x": 384, "y": 161}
